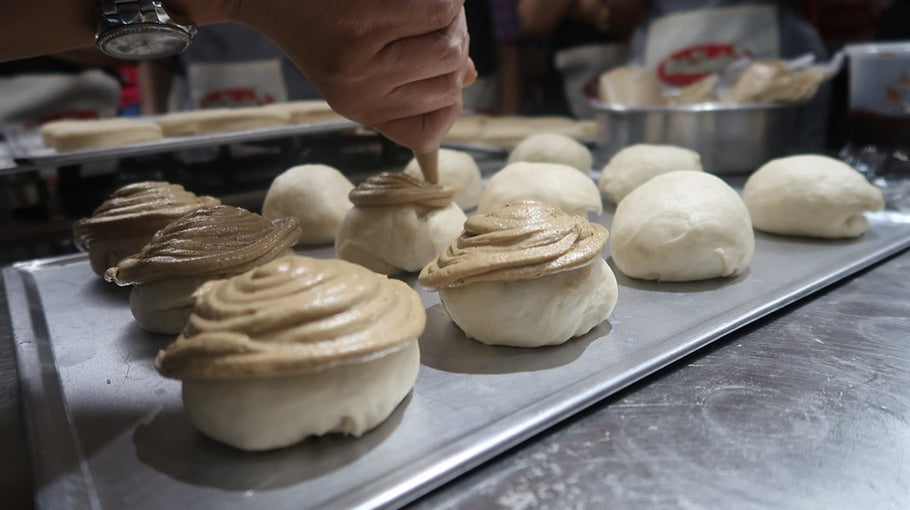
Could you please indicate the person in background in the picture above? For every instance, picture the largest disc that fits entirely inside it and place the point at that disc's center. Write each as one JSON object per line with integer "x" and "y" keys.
{"x": 508, "y": 40}
{"x": 228, "y": 65}
{"x": 396, "y": 65}
{"x": 685, "y": 40}
{"x": 77, "y": 84}
{"x": 63, "y": 86}
{"x": 495, "y": 49}
{"x": 574, "y": 41}
{"x": 894, "y": 23}
{"x": 481, "y": 96}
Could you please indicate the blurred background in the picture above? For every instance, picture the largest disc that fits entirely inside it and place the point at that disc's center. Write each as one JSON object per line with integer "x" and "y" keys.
{"x": 534, "y": 58}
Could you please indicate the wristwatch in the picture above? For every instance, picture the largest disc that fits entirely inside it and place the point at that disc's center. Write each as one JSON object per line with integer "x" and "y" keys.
{"x": 139, "y": 30}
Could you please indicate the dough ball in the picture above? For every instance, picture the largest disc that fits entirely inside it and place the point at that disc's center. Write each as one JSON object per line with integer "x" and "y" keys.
{"x": 268, "y": 413}
{"x": 107, "y": 253}
{"x": 459, "y": 170}
{"x": 557, "y": 184}
{"x": 810, "y": 195}
{"x": 530, "y": 313}
{"x": 164, "y": 306}
{"x": 391, "y": 239}
{"x": 682, "y": 226}
{"x": 317, "y": 195}
{"x": 296, "y": 347}
{"x": 553, "y": 148}
{"x": 636, "y": 164}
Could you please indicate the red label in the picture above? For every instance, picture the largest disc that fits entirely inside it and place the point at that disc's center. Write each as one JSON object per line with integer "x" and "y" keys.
{"x": 233, "y": 98}
{"x": 689, "y": 65}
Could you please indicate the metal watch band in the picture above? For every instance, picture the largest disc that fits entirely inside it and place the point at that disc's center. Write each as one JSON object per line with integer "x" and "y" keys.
{"x": 121, "y": 12}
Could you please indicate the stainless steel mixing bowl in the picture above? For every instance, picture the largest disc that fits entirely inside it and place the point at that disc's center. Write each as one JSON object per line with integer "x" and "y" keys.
{"x": 731, "y": 139}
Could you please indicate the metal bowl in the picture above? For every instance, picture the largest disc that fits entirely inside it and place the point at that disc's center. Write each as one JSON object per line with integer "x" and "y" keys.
{"x": 731, "y": 139}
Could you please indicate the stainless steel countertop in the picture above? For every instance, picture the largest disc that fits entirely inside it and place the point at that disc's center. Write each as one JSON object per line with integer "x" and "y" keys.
{"x": 810, "y": 408}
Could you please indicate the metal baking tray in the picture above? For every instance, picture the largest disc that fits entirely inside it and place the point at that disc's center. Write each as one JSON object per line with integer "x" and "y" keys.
{"x": 106, "y": 431}
{"x": 25, "y": 145}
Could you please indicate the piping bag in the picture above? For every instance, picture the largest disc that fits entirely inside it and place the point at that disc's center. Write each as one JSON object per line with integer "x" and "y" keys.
{"x": 429, "y": 165}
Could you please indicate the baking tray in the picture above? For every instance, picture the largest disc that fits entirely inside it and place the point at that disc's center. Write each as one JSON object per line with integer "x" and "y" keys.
{"x": 106, "y": 431}
{"x": 26, "y": 146}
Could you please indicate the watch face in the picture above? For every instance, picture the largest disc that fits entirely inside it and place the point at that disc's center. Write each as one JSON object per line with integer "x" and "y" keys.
{"x": 138, "y": 42}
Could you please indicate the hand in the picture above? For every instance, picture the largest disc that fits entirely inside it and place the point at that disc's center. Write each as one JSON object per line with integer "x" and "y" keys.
{"x": 396, "y": 65}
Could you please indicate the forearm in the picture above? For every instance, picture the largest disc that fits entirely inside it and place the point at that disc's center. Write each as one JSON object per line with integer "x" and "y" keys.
{"x": 31, "y": 28}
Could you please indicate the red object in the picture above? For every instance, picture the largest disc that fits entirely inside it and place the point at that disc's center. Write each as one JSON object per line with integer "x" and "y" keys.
{"x": 234, "y": 97}
{"x": 129, "y": 86}
{"x": 691, "y": 64}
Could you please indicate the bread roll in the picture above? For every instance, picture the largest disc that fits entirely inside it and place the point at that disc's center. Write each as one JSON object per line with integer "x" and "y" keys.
{"x": 682, "y": 226}
{"x": 553, "y": 148}
{"x": 525, "y": 275}
{"x": 458, "y": 170}
{"x": 207, "y": 244}
{"x": 810, "y": 195}
{"x": 398, "y": 223}
{"x": 634, "y": 165}
{"x": 317, "y": 195}
{"x": 296, "y": 348}
{"x": 557, "y": 184}
{"x": 128, "y": 219}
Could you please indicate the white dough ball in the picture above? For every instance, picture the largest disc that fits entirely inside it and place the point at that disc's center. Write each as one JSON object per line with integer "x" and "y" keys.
{"x": 810, "y": 195}
{"x": 107, "y": 253}
{"x": 391, "y": 239}
{"x": 459, "y": 170}
{"x": 682, "y": 226}
{"x": 530, "y": 313}
{"x": 317, "y": 195}
{"x": 634, "y": 165}
{"x": 554, "y": 183}
{"x": 262, "y": 414}
{"x": 164, "y": 306}
{"x": 553, "y": 148}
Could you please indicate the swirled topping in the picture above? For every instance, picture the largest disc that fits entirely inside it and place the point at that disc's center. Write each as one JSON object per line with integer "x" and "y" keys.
{"x": 399, "y": 188}
{"x": 215, "y": 241}
{"x": 293, "y": 315}
{"x": 137, "y": 209}
{"x": 521, "y": 241}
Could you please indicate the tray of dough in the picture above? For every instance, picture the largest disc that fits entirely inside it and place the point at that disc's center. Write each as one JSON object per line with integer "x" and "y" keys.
{"x": 26, "y": 147}
{"x": 107, "y": 431}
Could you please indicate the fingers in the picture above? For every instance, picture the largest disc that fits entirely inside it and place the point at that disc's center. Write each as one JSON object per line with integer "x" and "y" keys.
{"x": 420, "y": 111}
{"x": 397, "y": 65}
{"x": 421, "y": 133}
{"x": 407, "y": 18}
{"x": 429, "y": 55}
{"x": 420, "y": 97}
